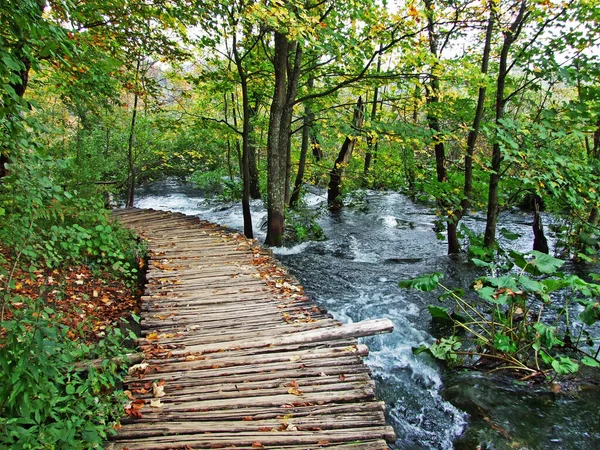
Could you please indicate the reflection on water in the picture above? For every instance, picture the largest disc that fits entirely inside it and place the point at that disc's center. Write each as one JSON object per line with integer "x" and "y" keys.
{"x": 355, "y": 274}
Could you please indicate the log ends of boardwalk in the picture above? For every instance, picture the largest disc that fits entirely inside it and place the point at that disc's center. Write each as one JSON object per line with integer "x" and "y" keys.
{"x": 236, "y": 356}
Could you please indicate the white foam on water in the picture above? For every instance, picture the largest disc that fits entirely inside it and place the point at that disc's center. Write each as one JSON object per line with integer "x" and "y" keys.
{"x": 296, "y": 249}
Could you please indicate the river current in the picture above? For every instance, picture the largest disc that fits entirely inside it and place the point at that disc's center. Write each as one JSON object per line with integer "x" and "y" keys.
{"x": 355, "y": 274}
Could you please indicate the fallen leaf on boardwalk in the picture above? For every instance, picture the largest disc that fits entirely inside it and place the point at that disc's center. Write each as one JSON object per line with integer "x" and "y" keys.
{"x": 295, "y": 391}
{"x": 247, "y": 418}
{"x": 133, "y": 412}
{"x": 323, "y": 374}
{"x": 323, "y": 443}
{"x": 293, "y": 384}
{"x": 129, "y": 394}
{"x": 151, "y": 336}
{"x": 258, "y": 445}
{"x": 138, "y": 368}
{"x": 155, "y": 403}
{"x": 158, "y": 391}
{"x": 342, "y": 377}
{"x": 294, "y": 358}
{"x": 263, "y": 429}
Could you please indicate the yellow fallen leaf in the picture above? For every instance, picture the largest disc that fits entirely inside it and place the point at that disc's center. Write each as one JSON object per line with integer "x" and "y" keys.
{"x": 155, "y": 403}
{"x": 158, "y": 391}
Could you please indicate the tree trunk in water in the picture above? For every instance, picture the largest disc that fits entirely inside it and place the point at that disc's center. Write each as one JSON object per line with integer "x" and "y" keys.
{"x": 510, "y": 36}
{"x": 453, "y": 245}
{"x": 334, "y": 192}
{"x": 307, "y": 137}
{"x": 287, "y": 78}
{"x": 432, "y": 92}
{"x": 307, "y": 122}
{"x": 245, "y": 169}
{"x": 276, "y": 150}
{"x": 474, "y": 131}
{"x": 540, "y": 243}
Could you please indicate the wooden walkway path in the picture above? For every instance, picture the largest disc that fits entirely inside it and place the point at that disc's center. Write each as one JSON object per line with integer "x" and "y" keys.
{"x": 236, "y": 356}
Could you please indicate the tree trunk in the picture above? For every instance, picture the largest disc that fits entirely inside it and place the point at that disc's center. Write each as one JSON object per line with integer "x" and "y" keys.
{"x": 287, "y": 78}
{"x": 372, "y": 148}
{"x": 474, "y": 131}
{"x": 307, "y": 136}
{"x": 130, "y": 155}
{"x": 226, "y": 117}
{"x": 306, "y": 125}
{"x": 276, "y": 149}
{"x": 432, "y": 92}
{"x": 334, "y": 192}
{"x": 540, "y": 243}
{"x": 252, "y": 164}
{"x": 248, "y": 232}
{"x": 510, "y": 36}
{"x": 453, "y": 245}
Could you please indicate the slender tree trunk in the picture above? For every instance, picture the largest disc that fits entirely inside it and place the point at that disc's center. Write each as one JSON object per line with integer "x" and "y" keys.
{"x": 540, "y": 243}
{"x": 238, "y": 148}
{"x": 372, "y": 147}
{"x": 453, "y": 245}
{"x": 130, "y": 155}
{"x": 293, "y": 69}
{"x": 248, "y": 232}
{"x": 474, "y": 131}
{"x": 432, "y": 92}
{"x": 226, "y": 117}
{"x": 306, "y": 125}
{"x": 510, "y": 36}
{"x": 334, "y": 192}
{"x": 252, "y": 165}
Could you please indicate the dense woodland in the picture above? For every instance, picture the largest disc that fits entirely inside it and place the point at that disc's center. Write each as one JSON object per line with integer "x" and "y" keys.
{"x": 468, "y": 105}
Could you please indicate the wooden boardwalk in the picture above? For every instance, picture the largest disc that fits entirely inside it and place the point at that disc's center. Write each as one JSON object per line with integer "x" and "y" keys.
{"x": 236, "y": 356}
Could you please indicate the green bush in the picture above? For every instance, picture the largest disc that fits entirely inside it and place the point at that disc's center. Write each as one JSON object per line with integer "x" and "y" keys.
{"x": 44, "y": 401}
{"x": 532, "y": 320}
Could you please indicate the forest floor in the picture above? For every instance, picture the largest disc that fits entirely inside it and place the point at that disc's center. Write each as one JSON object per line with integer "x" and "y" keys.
{"x": 85, "y": 300}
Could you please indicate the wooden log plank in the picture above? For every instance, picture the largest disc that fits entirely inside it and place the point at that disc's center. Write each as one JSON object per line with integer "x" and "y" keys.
{"x": 359, "y": 329}
{"x": 263, "y": 438}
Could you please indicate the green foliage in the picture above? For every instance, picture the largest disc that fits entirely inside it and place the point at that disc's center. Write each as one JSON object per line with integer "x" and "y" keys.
{"x": 44, "y": 401}
{"x": 301, "y": 225}
{"x": 47, "y": 224}
{"x": 535, "y": 327}
{"x": 216, "y": 183}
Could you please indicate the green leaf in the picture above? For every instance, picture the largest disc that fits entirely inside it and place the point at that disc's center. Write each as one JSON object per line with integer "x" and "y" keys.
{"x": 70, "y": 389}
{"x": 591, "y": 313}
{"x": 507, "y": 234}
{"x": 481, "y": 263}
{"x": 547, "y": 335}
{"x": 590, "y": 362}
{"x": 564, "y": 366}
{"x": 444, "y": 348}
{"x": 487, "y": 293}
{"x": 439, "y": 313}
{"x": 423, "y": 283}
{"x": 421, "y": 349}
{"x": 504, "y": 344}
{"x": 531, "y": 285}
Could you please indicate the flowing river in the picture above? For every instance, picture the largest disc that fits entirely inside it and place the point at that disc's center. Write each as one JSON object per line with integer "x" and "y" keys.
{"x": 355, "y": 274}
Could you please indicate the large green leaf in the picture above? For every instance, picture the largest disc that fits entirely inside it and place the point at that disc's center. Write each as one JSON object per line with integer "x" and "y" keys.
{"x": 439, "y": 313}
{"x": 539, "y": 264}
{"x": 564, "y": 365}
{"x": 423, "y": 283}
